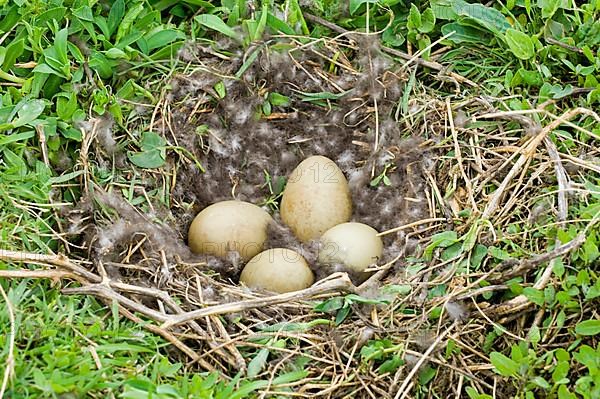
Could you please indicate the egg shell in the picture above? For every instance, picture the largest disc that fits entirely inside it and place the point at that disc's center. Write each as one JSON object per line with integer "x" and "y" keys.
{"x": 355, "y": 245}
{"x": 278, "y": 270}
{"x": 229, "y": 226}
{"x": 316, "y": 198}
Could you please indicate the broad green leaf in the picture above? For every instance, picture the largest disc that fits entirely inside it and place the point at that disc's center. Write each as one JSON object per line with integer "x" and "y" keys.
{"x": 534, "y": 335}
{"x": 117, "y": 11}
{"x": 115, "y": 54}
{"x": 464, "y": 33}
{"x": 452, "y": 251}
{"x": 341, "y": 315}
{"x": 390, "y": 365}
{"x": 278, "y": 100}
{"x": 246, "y": 387}
{"x": 443, "y": 9}
{"x": 163, "y": 37}
{"x": 541, "y": 382}
{"x": 72, "y": 134}
{"x": 554, "y": 29}
{"x": 488, "y": 17}
{"x": 374, "y": 349}
{"x": 426, "y": 374}
{"x": 376, "y": 181}
{"x": 257, "y": 363}
{"x": 151, "y": 141}
{"x": 149, "y": 160}
{"x": 593, "y": 292}
{"x": 588, "y": 327}
{"x": 11, "y": 16}
{"x": 66, "y": 105}
{"x": 51, "y": 58}
{"x": 251, "y": 27}
{"x": 392, "y": 36}
{"x": 266, "y": 108}
{"x": 153, "y": 152}
{"x": 560, "y": 371}
{"x": 549, "y": 7}
{"x": 60, "y": 44}
{"x": 356, "y": 4}
{"x": 215, "y": 23}
{"x": 423, "y": 42}
{"x": 534, "y": 295}
{"x": 278, "y": 25}
{"x": 128, "y": 20}
{"x": 589, "y": 249}
{"x": 220, "y": 89}
{"x": 167, "y": 52}
{"x": 15, "y": 162}
{"x": 101, "y": 64}
{"x": 84, "y": 13}
{"x": 397, "y": 289}
{"x": 504, "y": 365}
{"x": 498, "y": 253}
{"x": 478, "y": 254}
{"x": 330, "y": 305}
{"x": 15, "y": 137}
{"x": 13, "y": 51}
{"x": 414, "y": 18}
{"x": 559, "y": 92}
{"x": 353, "y": 298}
{"x": 129, "y": 38}
{"x": 589, "y": 54}
{"x": 564, "y": 393}
{"x": 427, "y": 21}
{"x": 76, "y": 53}
{"x": 57, "y": 14}
{"x": 530, "y": 78}
{"x": 167, "y": 391}
{"x": 443, "y": 240}
{"x": 587, "y": 356}
{"x": 473, "y": 394}
{"x": 520, "y": 44}
{"x": 29, "y": 112}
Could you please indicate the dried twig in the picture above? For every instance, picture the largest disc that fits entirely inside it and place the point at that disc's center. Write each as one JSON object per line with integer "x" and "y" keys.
{"x": 338, "y": 282}
{"x": 50, "y": 274}
{"x": 402, "y": 391}
{"x": 169, "y": 337}
{"x": 54, "y": 260}
{"x": 458, "y": 155}
{"x": 520, "y": 302}
{"x": 527, "y": 152}
{"x": 104, "y": 291}
{"x": 529, "y": 264}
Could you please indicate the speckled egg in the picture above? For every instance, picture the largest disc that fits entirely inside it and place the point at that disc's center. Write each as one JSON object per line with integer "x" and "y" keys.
{"x": 229, "y": 226}
{"x": 316, "y": 198}
{"x": 355, "y": 245}
{"x": 278, "y": 270}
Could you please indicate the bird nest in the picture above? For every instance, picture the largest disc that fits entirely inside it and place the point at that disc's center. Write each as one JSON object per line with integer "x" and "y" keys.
{"x": 441, "y": 174}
